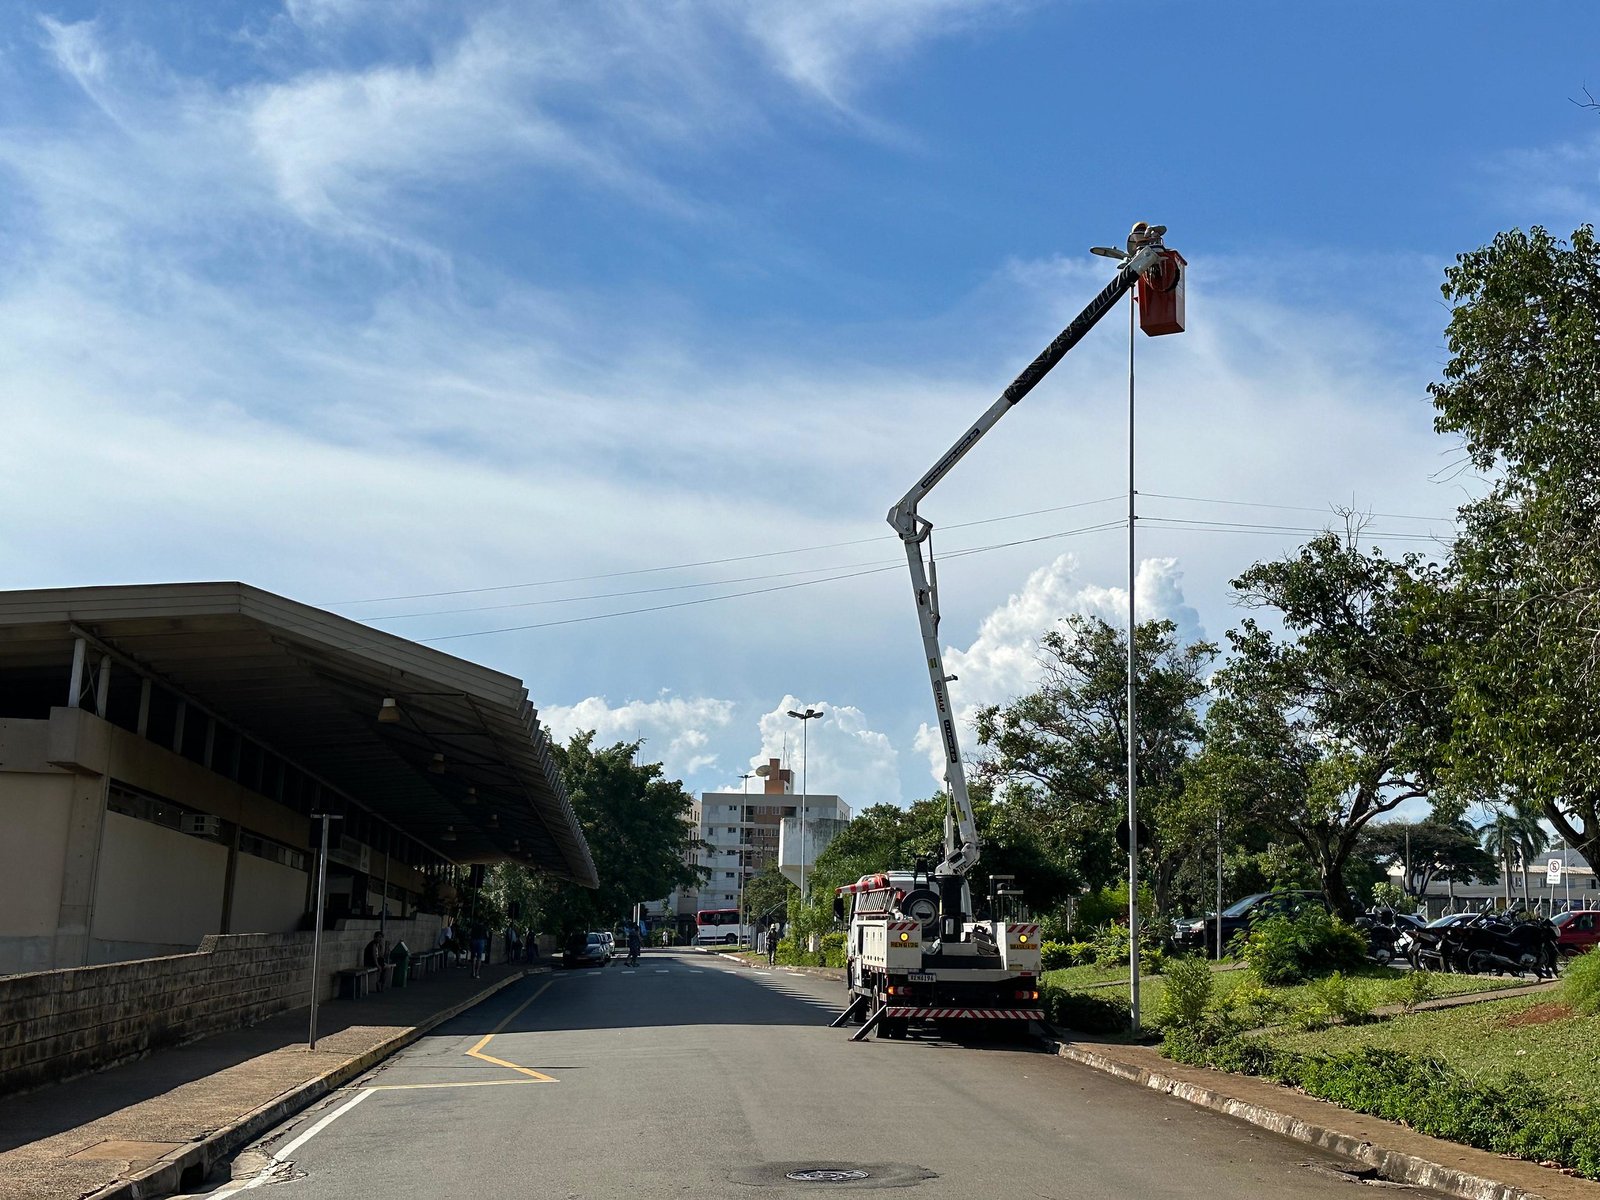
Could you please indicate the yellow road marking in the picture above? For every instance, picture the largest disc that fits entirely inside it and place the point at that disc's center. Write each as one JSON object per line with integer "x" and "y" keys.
{"x": 477, "y": 1051}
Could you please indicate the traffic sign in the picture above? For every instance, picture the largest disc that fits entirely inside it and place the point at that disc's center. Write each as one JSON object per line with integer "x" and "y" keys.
{"x": 1552, "y": 871}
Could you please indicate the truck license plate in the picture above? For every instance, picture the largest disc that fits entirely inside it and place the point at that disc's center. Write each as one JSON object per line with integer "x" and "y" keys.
{"x": 920, "y": 977}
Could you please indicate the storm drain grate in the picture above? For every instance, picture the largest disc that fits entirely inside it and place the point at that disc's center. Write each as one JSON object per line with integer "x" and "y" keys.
{"x": 828, "y": 1175}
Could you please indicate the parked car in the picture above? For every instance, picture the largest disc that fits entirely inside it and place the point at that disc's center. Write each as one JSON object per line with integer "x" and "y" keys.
{"x": 586, "y": 950}
{"x": 1577, "y": 931}
{"x": 1201, "y": 932}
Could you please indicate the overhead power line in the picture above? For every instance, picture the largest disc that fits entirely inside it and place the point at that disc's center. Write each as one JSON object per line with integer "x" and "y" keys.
{"x": 780, "y": 587}
{"x": 767, "y": 554}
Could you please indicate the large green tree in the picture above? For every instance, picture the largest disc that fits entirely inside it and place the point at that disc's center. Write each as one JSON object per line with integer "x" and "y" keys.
{"x": 1060, "y": 753}
{"x": 1315, "y": 733}
{"x": 1521, "y": 391}
{"x": 1429, "y": 850}
{"x": 886, "y": 837}
{"x": 636, "y": 823}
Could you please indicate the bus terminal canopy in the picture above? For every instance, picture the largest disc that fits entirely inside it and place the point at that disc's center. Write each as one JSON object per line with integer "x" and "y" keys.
{"x": 448, "y": 752}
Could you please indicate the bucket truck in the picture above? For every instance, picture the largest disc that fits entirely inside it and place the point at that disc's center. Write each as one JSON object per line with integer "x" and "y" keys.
{"x": 917, "y": 953}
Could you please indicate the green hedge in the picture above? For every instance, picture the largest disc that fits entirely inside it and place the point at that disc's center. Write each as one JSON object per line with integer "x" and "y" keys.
{"x": 792, "y": 952}
{"x": 1508, "y": 1116}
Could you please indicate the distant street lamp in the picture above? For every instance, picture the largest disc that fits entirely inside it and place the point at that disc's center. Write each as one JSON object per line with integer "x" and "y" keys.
{"x": 805, "y": 766}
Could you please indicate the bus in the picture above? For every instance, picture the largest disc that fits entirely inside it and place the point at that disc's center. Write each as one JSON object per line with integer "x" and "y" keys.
{"x": 717, "y": 926}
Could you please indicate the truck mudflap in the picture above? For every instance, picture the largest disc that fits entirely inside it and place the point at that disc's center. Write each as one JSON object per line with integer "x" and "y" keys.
{"x": 966, "y": 1014}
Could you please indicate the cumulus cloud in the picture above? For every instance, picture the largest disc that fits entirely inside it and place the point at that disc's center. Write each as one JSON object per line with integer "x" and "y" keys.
{"x": 1002, "y": 662}
{"x": 678, "y": 731}
{"x": 852, "y": 760}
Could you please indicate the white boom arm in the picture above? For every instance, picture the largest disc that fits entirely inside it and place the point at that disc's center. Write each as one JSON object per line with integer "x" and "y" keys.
{"x": 961, "y": 849}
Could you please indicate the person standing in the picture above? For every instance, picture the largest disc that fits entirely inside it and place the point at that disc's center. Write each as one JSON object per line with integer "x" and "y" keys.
{"x": 772, "y": 944}
{"x": 446, "y": 940}
{"x": 375, "y": 957}
{"x": 480, "y": 949}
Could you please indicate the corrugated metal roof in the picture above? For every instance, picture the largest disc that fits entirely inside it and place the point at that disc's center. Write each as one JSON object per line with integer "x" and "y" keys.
{"x": 308, "y": 684}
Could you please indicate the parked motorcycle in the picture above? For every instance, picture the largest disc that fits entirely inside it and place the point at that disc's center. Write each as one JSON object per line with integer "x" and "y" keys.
{"x": 1473, "y": 944}
{"x": 1497, "y": 943}
{"x": 1383, "y": 936}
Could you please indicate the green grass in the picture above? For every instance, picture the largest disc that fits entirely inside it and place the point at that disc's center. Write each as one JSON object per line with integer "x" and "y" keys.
{"x": 1375, "y": 985}
{"x": 1478, "y": 1041}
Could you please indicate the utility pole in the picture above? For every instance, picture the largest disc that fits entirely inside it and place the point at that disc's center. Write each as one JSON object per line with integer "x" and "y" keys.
{"x": 316, "y": 928}
{"x": 1219, "y": 883}
{"x": 1133, "y": 715}
{"x": 744, "y": 822}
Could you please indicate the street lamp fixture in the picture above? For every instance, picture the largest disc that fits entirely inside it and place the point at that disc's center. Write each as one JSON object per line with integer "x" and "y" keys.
{"x": 804, "y": 718}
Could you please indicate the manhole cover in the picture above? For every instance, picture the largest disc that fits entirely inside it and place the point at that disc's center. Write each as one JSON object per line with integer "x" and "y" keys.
{"x": 827, "y": 1175}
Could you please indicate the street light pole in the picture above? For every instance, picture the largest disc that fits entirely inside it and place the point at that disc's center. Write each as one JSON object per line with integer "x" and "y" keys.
{"x": 1133, "y": 722}
{"x": 744, "y": 821}
{"x": 805, "y": 768}
{"x": 316, "y": 928}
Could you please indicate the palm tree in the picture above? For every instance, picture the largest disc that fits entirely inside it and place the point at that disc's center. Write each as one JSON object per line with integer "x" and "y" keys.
{"x": 1499, "y": 838}
{"x": 1513, "y": 833}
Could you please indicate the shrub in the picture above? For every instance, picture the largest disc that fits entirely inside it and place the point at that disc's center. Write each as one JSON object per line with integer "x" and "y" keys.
{"x": 1110, "y": 945}
{"x": 833, "y": 949}
{"x": 1108, "y": 906}
{"x": 1055, "y": 955}
{"x": 1253, "y": 1004}
{"x": 1332, "y": 999}
{"x": 1285, "y": 949}
{"x": 1412, "y": 988}
{"x": 1186, "y": 1000}
{"x": 1082, "y": 953}
{"x": 1086, "y": 1012}
{"x": 1581, "y": 987}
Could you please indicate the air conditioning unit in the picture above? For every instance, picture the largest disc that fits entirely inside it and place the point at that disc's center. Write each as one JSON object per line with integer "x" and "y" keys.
{"x": 202, "y": 825}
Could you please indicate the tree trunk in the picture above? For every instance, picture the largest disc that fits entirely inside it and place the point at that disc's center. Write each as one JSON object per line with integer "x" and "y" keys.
{"x": 1330, "y": 869}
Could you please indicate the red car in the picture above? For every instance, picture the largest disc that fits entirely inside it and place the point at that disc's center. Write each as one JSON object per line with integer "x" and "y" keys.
{"x": 1577, "y": 931}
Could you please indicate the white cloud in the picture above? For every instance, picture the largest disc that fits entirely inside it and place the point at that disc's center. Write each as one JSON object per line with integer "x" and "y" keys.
{"x": 678, "y": 731}
{"x": 825, "y": 45}
{"x": 852, "y": 760}
{"x": 1003, "y": 663}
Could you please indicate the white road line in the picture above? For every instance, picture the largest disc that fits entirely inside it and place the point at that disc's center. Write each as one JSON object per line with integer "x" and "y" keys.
{"x": 662, "y": 971}
{"x": 279, "y": 1157}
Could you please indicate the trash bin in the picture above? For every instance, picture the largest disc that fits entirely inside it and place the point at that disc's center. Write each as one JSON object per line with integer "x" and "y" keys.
{"x": 400, "y": 956}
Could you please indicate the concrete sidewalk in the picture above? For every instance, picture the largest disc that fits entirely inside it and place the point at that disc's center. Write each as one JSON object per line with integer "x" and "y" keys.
{"x": 146, "y": 1127}
{"x": 1393, "y": 1151}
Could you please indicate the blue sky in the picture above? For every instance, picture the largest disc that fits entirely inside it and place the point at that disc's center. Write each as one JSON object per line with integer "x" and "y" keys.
{"x": 354, "y": 299}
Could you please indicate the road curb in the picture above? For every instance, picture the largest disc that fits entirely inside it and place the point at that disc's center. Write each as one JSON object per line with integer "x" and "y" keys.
{"x": 165, "y": 1176}
{"x": 1394, "y": 1165}
{"x": 819, "y": 972}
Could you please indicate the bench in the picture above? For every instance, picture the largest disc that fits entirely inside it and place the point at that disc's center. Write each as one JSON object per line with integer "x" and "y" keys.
{"x": 355, "y": 983}
{"x": 426, "y": 963}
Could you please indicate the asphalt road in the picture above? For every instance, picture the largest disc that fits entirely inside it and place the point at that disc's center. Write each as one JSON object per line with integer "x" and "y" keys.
{"x": 691, "y": 1076}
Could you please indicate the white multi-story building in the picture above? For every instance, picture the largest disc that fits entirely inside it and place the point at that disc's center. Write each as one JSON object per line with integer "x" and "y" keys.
{"x": 739, "y": 835}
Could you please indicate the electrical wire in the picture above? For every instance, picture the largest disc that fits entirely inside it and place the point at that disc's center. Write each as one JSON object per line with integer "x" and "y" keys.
{"x": 782, "y": 587}
{"x": 766, "y": 554}
{"x": 711, "y": 562}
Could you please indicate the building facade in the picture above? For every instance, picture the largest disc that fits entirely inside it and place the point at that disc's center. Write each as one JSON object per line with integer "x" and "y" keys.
{"x": 165, "y": 752}
{"x": 739, "y": 835}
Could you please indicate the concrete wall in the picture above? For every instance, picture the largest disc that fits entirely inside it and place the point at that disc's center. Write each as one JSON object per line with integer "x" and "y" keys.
{"x": 58, "y": 1024}
{"x": 80, "y": 885}
{"x": 33, "y": 818}
{"x": 157, "y": 886}
{"x": 268, "y": 897}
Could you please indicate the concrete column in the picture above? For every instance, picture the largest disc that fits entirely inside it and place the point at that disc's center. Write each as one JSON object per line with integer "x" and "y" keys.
{"x": 80, "y": 870}
{"x": 228, "y": 877}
